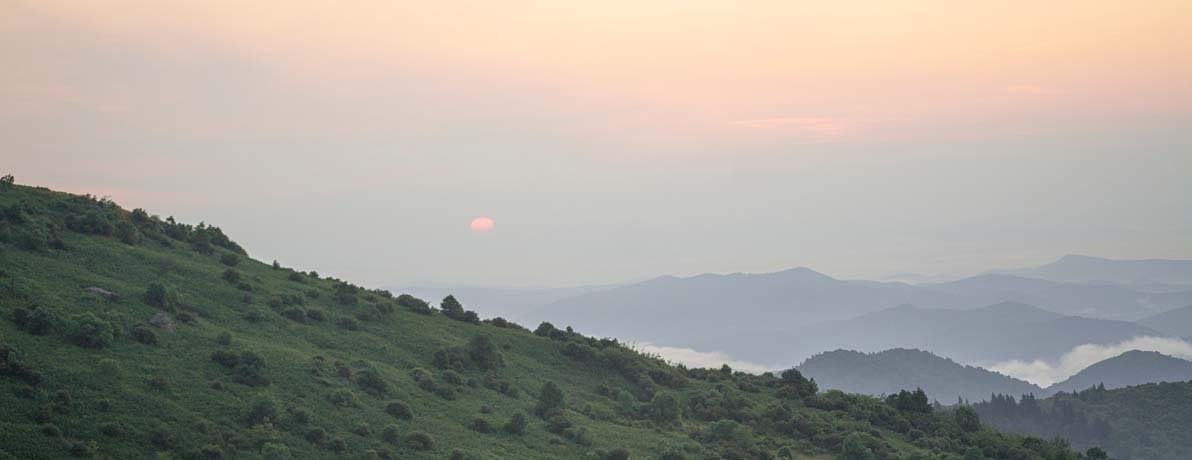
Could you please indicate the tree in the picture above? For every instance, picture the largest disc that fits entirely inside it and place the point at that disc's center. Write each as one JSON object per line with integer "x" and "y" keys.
{"x": 853, "y": 448}
{"x": 967, "y": 419}
{"x": 974, "y": 453}
{"x": 550, "y": 398}
{"x": 452, "y": 308}
{"x": 6, "y": 182}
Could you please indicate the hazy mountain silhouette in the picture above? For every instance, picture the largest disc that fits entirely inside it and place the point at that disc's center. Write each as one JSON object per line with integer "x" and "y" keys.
{"x": 711, "y": 310}
{"x": 1128, "y": 369}
{"x": 889, "y": 371}
{"x": 783, "y": 317}
{"x": 1092, "y": 300}
{"x": 1176, "y": 322}
{"x": 1137, "y": 273}
{"x": 990, "y": 334}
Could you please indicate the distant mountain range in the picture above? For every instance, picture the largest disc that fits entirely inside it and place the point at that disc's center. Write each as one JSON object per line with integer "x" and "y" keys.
{"x": 778, "y": 319}
{"x": 1177, "y": 323}
{"x": 889, "y": 371}
{"x": 945, "y": 380}
{"x": 783, "y": 317}
{"x": 1164, "y": 274}
{"x": 991, "y": 334}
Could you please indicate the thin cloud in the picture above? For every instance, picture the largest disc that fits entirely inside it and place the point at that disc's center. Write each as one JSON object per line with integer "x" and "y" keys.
{"x": 1045, "y": 373}
{"x": 816, "y": 124}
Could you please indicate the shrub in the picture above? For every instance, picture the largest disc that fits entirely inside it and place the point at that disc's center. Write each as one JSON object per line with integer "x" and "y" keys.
{"x": 853, "y": 447}
{"x": 337, "y": 445}
{"x": 414, "y": 304}
{"x": 224, "y": 339}
{"x": 296, "y": 277}
{"x": 127, "y": 233}
{"x": 399, "y": 409}
{"x": 39, "y": 321}
{"x": 248, "y": 369}
{"x": 143, "y": 334}
{"x": 159, "y": 296}
{"x": 551, "y": 397}
{"x": 51, "y": 430}
{"x": 275, "y": 451}
{"x": 262, "y": 410}
{"x": 362, "y": 429}
{"x": 231, "y": 275}
{"x": 342, "y": 398}
{"x": 316, "y": 436}
{"x": 163, "y": 438}
{"x": 87, "y": 330}
{"x": 6, "y": 183}
{"x": 516, "y": 424}
{"x": 452, "y": 377}
{"x": 391, "y": 434}
{"x": 370, "y": 380}
{"x": 315, "y": 314}
{"x": 295, "y": 314}
{"x": 347, "y": 323}
{"x": 483, "y": 353}
{"x": 480, "y": 425}
{"x": 225, "y": 358}
{"x": 420, "y": 440}
{"x": 112, "y": 429}
{"x": 229, "y": 259}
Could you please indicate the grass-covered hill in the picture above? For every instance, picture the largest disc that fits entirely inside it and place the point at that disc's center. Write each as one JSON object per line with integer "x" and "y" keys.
{"x": 1144, "y": 422}
{"x": 126, "y": 336}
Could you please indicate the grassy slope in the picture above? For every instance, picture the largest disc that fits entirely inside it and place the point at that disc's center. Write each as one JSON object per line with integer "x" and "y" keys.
{"x": 199, "y": 414}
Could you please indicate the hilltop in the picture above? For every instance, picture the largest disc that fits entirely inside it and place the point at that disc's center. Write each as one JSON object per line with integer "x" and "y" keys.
{"x": 125, "y": 335}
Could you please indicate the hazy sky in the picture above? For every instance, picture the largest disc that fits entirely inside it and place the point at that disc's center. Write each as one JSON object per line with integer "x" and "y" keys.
{"x": 617, "y": 140}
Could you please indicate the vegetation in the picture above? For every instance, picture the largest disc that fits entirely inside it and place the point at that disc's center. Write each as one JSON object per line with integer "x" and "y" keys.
{"x": 88, "y": 375}
{"x": 1141, "y": 422}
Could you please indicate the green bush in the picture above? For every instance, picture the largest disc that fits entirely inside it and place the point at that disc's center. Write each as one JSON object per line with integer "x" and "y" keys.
{"x": 262, "y": 410}
{"x": 399, "y": 409}
{"x": 275, "y": 451}
{"x": 159, "y": 296}
{"x": 414, "y": 304}
{"x": 229, "y": 259}
{"x": 37, "y": 321}
{"x": 231, "y": 275}
{"x": 87, "y": 330}
{"x": 549, "y": 398}
{"x": 516, "y": 424}
{"x": 420, "y": 440}
{"x": 483, "y": 353}
{"x": 141, "y": 333}
{"x": 391, "y": 434}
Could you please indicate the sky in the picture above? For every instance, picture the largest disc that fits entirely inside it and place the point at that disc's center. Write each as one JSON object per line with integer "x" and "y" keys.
{"x": 617, "y": 140}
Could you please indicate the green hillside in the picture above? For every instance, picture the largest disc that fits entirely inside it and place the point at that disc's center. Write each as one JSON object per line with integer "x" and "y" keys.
{"x": 126, "y": 336}
{"x": 1144, "y": 422}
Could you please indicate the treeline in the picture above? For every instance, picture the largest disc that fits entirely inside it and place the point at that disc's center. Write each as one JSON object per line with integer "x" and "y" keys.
{"x": 1145, "y": 422}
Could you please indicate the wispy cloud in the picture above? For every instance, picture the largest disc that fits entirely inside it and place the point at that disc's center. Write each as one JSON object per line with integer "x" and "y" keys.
{"x": 817, "y": 124}
{"x": 703, "y": 359}
{"x": 1045, "y": 373}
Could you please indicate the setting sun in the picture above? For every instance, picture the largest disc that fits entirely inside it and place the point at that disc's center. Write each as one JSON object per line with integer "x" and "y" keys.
{"x": 482, "y": 224}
